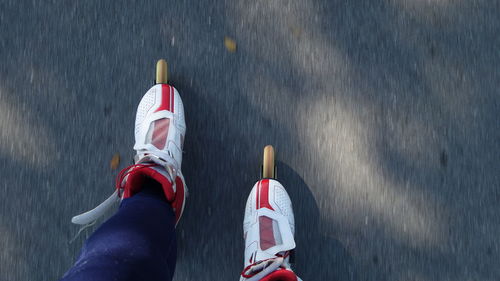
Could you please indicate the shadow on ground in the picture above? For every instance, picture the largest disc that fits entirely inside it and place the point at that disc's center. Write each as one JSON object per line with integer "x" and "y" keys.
{"x": 336, "y": 263}
{"x": 385, "y": 113}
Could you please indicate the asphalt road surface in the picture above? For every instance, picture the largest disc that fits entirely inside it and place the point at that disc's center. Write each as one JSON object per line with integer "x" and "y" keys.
{"x": 385, "y": 116}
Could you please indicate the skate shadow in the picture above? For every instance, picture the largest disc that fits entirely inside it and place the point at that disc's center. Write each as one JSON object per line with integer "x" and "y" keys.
{"x": 316, "y": 255}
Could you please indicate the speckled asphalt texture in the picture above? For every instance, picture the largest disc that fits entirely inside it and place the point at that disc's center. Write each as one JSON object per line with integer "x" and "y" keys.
{"x": 385, "y": 116}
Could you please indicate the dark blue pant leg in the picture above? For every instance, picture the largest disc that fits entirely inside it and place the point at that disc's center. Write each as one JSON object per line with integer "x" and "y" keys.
{"x": 137, "y": 243}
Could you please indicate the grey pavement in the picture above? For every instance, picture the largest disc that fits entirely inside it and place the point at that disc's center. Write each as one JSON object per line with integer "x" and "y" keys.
{"x": 385, "y": 116}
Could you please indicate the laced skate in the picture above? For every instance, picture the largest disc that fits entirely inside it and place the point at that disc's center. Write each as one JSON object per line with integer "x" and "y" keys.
{"x": 159, "y": 135}
{"x": 268, "y": 228}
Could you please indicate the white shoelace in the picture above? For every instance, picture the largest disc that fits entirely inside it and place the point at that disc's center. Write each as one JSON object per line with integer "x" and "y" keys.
{"x": 90, "y": 217}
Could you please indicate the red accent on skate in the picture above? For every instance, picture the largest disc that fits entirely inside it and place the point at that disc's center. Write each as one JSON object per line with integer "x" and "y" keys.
{"x": 257, "y": 196}
{"x": 280, "y": 275}
{"x": 266, "y": 233}
{"x": 178, "y": 200}
{"x": 264, "y": 195}
{"x": 137, "y": 174}
{"x": 134, "y": 182}
{"x": 166, "y": 99}
{"x": 172, "y": 96}
{"x": 160, "y": 133}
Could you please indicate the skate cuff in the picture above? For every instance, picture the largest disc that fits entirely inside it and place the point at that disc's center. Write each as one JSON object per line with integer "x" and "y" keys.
{"x": 137, "y": 177}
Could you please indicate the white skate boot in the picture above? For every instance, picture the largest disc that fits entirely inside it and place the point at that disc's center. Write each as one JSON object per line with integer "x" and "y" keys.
{"x": 268, "y": 229}
{"x": 159, "y": 135}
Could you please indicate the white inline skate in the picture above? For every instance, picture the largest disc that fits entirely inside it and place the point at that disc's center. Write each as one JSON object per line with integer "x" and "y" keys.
{"x": 268, "y": 228}
{"x": 159, "y": 135}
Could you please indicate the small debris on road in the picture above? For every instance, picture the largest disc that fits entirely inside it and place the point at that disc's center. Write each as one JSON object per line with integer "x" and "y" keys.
{"x": 230, "y": 44}
{"x": 115, "y": 161}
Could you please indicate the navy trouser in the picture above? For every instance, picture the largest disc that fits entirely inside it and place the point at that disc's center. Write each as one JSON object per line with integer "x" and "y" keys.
{"x": 137, "y": 243}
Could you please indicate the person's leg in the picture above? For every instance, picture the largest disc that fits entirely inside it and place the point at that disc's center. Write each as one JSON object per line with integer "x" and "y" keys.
{"x": 137, "y": 243}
